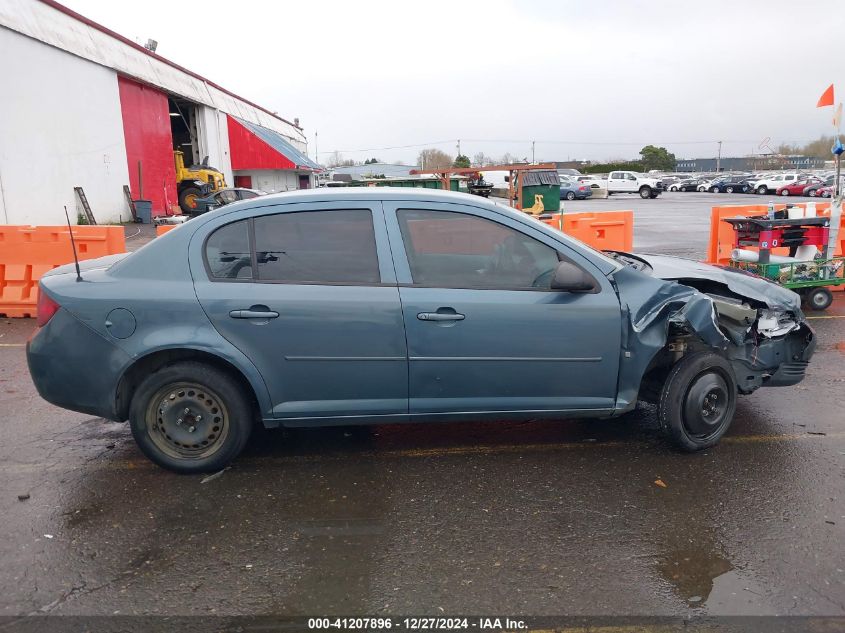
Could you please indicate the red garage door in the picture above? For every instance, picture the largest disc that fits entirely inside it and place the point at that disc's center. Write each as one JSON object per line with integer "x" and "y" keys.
{"x": 146, "y": 129}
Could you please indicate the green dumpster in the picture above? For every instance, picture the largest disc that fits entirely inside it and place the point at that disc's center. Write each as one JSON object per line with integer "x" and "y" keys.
{"x": 545, "y": 183}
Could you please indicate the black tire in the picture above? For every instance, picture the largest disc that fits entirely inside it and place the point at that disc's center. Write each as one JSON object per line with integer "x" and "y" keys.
{"x": 784, "y": 192}
{"x": 729, "y": 189}
{"x": 215, "y": 408}
{"x": 645, "y": 192}
{"x": 674, "y": 188}
{"x": 186, "y": 198}
{"x": 818, "y": 298}
{"x": 714, "y": 190}
{"x": 682, "y": 189}
{"x": 570, "y": 195}
{"x": 698, "y": 401}
{"x": 762, "y": 190}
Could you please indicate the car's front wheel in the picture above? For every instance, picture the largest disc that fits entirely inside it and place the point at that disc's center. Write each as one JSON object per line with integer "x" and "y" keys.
{"x": 190, "y": 417}
{"x": 698, "y": 401}
{"x": 729, "y": 190}
{"x": 785, "y": 192}
{"x": 645, "y": 192}
{"x": 762, "y": 190}
{"x": 570, "y": 195}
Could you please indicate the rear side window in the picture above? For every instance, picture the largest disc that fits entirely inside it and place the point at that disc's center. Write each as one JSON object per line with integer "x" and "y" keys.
{"x": 317, "y": 247}
{"x": 227, "y": 252}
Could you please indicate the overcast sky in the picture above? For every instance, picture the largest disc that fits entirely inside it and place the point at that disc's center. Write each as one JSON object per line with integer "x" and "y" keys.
{"x": 583, "y": 79}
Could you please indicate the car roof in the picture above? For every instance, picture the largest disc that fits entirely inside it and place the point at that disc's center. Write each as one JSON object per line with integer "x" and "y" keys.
{"x": 329, "y": 194}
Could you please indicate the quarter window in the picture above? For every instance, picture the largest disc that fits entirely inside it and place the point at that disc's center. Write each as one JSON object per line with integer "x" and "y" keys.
{"x": 457, "y": 250}
{"x": 317, "y": 247}
{"x": 227, "y": 252}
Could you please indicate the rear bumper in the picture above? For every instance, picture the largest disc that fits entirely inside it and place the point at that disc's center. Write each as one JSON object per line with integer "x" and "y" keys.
{"x": 74, "y": 367}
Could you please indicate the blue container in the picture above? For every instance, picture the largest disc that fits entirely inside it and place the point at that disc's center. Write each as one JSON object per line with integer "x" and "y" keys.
{"x": 144, "y": 211}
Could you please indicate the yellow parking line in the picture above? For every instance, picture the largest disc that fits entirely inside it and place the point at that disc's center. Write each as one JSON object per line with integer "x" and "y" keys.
{"x": 832, "y": 316}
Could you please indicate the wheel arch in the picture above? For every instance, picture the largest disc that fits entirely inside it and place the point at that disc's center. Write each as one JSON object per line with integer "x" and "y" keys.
{"x": 141, "y": 367}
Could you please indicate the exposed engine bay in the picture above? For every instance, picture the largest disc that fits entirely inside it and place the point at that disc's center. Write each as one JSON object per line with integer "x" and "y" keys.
{"x": 685, "y": 306}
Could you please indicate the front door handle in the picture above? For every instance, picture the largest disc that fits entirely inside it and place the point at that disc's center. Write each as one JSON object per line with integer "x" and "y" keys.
{"x": 255, "y": 312}
{"x": 440, "y": 316}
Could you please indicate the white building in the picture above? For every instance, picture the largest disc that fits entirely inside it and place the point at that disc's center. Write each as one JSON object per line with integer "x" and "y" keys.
{"x": 84, "y": 106}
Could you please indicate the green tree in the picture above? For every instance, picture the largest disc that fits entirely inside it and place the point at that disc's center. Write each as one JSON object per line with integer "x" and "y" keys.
{"x": 461, "y": 161}
{"x": 657, "y": 158}
{"x": 371, "y": 161}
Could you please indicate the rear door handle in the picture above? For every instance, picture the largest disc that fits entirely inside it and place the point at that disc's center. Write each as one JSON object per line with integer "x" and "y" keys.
{"x": 253, "y": 314}
{"x": 440, "y": 316}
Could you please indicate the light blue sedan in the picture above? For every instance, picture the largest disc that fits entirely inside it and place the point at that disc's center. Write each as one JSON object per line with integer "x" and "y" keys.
{"x": 354, "y": 306}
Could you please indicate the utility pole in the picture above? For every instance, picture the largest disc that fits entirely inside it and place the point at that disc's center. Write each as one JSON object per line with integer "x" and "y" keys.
{"x": 459, "y": 147}
{"x": 316, "y": 153}
{"x": 719, "y": 159}
{"x": 532, "y": 153}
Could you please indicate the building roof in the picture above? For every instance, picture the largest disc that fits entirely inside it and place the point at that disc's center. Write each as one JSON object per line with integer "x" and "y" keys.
{"x": 279, "y": 144}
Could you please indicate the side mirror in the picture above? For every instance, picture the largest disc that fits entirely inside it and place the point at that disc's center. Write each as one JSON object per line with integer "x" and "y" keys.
{"x": 569, "y": 278}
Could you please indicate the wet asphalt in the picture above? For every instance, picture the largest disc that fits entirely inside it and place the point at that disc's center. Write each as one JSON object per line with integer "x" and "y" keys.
{"x": 541, "y": 518}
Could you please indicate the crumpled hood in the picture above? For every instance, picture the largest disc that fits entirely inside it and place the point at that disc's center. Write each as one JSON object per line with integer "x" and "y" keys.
{"x": 738, "y": 281}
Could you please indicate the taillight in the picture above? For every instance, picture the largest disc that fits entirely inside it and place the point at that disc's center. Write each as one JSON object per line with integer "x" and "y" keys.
{"x": 46, "y": 309}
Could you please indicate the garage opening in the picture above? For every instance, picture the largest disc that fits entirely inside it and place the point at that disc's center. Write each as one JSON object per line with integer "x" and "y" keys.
{"x": 183, "y": 128}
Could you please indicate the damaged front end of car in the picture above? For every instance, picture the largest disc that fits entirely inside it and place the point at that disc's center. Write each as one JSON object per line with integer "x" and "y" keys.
{"x": 676, "y": 307}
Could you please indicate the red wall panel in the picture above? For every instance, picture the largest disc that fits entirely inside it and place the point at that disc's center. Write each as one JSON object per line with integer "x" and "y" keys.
{"x": 250, "y": 152}
{"x": 146, "y": 129}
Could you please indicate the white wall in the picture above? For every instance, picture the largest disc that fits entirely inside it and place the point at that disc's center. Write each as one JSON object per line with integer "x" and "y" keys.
{"x": 60, "y": 127}
{"x": 213, "y": 140}
{"x": 272, "y": 180}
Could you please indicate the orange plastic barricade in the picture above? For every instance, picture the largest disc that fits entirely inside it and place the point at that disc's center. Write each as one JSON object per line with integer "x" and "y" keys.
{"x": 161, "y": 229}
{"x": 27, "y": 252}
{"x": 603, "y": 230}
{"x": 722, "y": 234}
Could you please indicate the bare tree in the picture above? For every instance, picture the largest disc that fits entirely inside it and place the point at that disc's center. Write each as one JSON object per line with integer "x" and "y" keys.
{"x": 434, "y": 159}
{"x": 337, "y": 160}
{"x": 481, "y": 160}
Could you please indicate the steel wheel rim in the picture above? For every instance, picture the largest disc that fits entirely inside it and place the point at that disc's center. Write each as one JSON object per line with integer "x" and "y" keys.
{"x": 706, "y": 405}
{"x": 730, "y": 189}
{"x": 187, "y": 421}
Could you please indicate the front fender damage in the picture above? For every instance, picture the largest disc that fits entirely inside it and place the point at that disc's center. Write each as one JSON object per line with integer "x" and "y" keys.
{"x": 765, "y": 338}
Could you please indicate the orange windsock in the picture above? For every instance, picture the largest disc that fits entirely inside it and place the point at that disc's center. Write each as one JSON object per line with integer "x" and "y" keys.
{"x": 827, "y": 98}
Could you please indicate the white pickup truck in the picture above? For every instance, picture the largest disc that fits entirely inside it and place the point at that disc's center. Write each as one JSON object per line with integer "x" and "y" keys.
{"x": 633, "y": 182}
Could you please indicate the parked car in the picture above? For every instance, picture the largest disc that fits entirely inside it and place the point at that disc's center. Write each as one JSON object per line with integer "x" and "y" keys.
{"x": 225, "y": 196}
{"x": 771, "y": 183}
{"x": 729, "y": 184}
{"x": 572, "y": 190}
{"x": 704, "y": 184}
{"x": 797, "y": 188}
{"x": 382, "y": 305}
{"x": 824, "y": 192}
{"x": 813, "y": 188}
{"x": 633, "y": 182}
{"x": 594, "y": 181}
{"x": 687, "y": 184}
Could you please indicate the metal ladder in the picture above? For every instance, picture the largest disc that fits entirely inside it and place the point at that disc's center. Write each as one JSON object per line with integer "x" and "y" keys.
{"x": 85, "y": 206}
{"x": 130, "y": 202}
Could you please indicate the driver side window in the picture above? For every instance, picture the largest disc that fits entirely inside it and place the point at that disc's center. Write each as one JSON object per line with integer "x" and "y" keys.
{"x": 457, "y": 250}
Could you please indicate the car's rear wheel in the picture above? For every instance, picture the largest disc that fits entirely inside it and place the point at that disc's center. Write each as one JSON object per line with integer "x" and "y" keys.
{"x": 812, "y": 193}
{"x": 729, "y": 190}
{"x": 714, "y": 190}
{"x": 819, "y": 298}
{"x": 698, "y": 401}
{"x": 190, "y": 418}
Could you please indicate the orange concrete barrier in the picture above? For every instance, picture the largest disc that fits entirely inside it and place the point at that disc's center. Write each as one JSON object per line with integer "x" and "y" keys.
{"x": 722, "y": 234}
{"x": 603, "y": 230}
{"x": 27, "y": 252}
{"x": 161, "y": 229}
